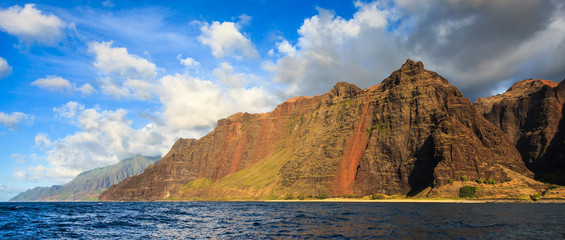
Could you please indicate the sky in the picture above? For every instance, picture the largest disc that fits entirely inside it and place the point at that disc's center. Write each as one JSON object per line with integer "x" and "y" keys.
{"x": 85, "y": 84}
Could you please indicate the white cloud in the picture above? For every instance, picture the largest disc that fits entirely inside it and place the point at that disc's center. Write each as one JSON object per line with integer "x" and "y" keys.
{"x": 286, "y": 48}
{"x": 11, "y": 121}
{"x": 31, "y": 26}
{"x": 116, "y": 60}
{"x": 20, "y": 174}
{"x": 141, "y": 89}
{"x": 188, "y": 62}
{"x": 224, "y": 39}
{"x": 53, "y": 83}
{"x": 125, "y": 74}
{"x": 226, "y": 75}
{"x": 371, "y": 14}
{"x": 69, "y": 110}
{"x": 42, "y": 140}
{"x": 56, "y": 83}
{"x": 192, "y": 103}
{"x": 104, "y": 138}
{"x": 5, "y": 69}
{"x": 86, "y": 89}
{"x": 332, "y": 49}
{"x": 112, "y": 87}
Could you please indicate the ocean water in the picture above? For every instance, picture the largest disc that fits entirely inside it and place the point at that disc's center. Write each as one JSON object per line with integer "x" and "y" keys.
{"x": 281, "y": 220}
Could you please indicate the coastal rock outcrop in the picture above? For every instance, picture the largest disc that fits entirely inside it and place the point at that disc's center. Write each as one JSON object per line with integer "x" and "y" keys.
{"x": 412, "y": 131}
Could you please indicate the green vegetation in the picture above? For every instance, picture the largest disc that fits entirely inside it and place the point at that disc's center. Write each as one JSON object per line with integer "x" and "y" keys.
{"x": 197, "y": 184}
{"x": 450, "y": 180}
{"x": 480, "y": 181}
{"x": 347, "y": 103}
{"x": 384, "y": 127}
{"x": 535, "y": 197}
{"x": 377, "y": 196}
{"x": 467, "y": 191}
{"x": 289, "y": 196}
{"x": 254, "y": 182}
{"x": 301, "y": 196}
{"x": 323, "y": 196}
{"x": 463, "y": 178}
{"x": 490, "y": 181}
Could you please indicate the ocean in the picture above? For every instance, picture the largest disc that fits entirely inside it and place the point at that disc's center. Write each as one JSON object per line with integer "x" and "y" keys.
{"x": 281, "y": 220}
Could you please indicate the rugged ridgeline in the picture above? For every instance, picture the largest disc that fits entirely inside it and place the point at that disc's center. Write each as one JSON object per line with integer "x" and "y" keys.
{"x": 87, "y": 186}
{"x": 531, "y": 114}
{"x": 411, "y": 132}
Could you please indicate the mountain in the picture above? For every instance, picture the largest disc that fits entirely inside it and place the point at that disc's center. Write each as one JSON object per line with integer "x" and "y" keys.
{"x": 88, "y": 185}
{"x": 531, "y": 114}
{"x": 411, "y": 132}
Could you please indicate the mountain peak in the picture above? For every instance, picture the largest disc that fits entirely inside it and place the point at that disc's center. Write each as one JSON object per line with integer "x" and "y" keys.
{"x": 410, "y": 65}
{"x": 412, "y": 73}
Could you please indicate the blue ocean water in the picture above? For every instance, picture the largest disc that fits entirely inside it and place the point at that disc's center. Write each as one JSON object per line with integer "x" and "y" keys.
{"x": 280, "y": 220}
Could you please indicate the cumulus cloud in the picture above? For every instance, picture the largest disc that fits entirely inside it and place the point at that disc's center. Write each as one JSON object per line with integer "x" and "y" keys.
{"x": 125, "y": 74}
{"x": 225, "y": 39}
{"x": 12, "y": 120}
{"x": 104, "y": 138}
{"x": 226, "y": 74}
{"x": 192, "y": 103}
{"x": 117, "y": 60}
{"x": 53, "y": 83}
{"x": 20, "y": 174}
{"x": 5, "y": 69}
{"x": 477, "y": 45}
{"x": 188, "y": 62}
{"x": 332, "y": 49}
{"x": 30, "y": 25}
{"x": 56, "y": 83}
{"x": 86, "y": 89}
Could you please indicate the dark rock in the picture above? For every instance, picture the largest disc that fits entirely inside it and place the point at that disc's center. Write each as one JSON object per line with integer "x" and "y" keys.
{"x": 531, "y": 114}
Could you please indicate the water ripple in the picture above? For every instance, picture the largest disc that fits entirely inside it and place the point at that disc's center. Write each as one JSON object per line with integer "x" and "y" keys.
{"x": 297, "y": 220}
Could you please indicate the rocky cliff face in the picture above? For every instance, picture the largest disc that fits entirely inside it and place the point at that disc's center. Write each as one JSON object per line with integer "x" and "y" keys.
{"x": 531, "y": 114}
{"x": 412, "y": 131}
{"x": 88, "y": 185}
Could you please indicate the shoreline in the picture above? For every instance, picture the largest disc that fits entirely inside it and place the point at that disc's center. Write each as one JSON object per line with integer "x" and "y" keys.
{"x": 341, "y": 200}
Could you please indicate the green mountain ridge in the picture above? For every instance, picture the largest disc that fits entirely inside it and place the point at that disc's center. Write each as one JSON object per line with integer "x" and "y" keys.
{"x": 88, "y": 185}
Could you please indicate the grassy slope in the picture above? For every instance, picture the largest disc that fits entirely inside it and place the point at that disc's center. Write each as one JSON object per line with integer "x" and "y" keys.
{"x": 257, "y": 181}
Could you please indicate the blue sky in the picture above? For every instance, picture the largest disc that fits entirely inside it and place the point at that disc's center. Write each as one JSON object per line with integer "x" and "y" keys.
{"x": 84, "y": 84}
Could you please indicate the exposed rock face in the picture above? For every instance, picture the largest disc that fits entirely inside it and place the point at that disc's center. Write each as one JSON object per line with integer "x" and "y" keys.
{"x": 412, "y": 131}
{"x": 88, "y": 185}
{"x": 531, "y": 114}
